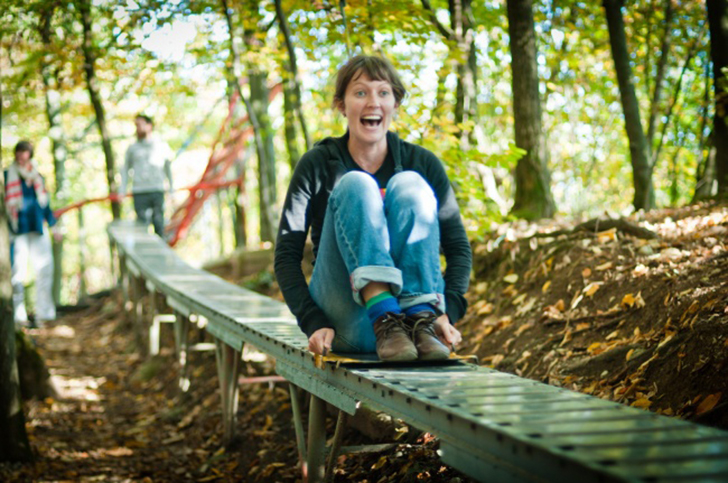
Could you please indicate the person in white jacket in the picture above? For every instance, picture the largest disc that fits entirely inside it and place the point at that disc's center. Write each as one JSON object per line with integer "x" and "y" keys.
{"x": 148, "y": 162}
{"x": 28, "y": 210}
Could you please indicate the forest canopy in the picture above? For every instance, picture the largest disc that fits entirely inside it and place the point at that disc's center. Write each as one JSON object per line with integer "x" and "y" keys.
{"x": 480, "y": 75}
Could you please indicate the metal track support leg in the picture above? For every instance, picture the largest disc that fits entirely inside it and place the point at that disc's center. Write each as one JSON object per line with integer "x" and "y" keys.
{"x": 181, "y": 332}
{"x": 316, "y": 439}
{"x": 138, "y": 314}
{"x": 123, "y": 276}
{"x": 298, "y": 425}
{"x": 228, "y": 367}
{"x": 335, "y": 446}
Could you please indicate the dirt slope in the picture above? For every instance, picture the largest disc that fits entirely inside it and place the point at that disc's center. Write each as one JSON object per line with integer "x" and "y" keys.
{"x": 634, "y": 311}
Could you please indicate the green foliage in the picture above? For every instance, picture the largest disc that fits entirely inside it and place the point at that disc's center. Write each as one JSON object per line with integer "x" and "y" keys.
{"x": 148, "y": 62}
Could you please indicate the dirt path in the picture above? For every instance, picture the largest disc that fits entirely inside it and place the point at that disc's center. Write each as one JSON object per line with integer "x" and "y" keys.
{"x": 115, "y": 418}
{"x": 119, "y": 419}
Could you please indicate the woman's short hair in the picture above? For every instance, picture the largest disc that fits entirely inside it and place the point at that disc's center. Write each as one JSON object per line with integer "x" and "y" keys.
{"x": 24, "y": 147}
{"x": 376, "y": 68}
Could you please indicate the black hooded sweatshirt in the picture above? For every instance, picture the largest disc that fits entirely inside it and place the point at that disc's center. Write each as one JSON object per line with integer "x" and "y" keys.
{"x": 315, "y": 176}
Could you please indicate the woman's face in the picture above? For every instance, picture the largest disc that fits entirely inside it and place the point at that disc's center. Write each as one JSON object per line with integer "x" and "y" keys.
{"x": 22, "y": 158}
{"x": 368, "y": 106}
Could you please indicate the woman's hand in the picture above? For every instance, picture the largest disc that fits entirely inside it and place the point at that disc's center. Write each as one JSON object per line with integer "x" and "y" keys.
{"x": 447, "y": 333}
{"x": 320, "y": 341}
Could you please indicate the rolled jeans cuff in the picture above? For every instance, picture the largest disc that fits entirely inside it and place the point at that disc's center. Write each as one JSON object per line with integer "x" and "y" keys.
{"x": 362, "y": 276}
{"x": 437, "y": 300}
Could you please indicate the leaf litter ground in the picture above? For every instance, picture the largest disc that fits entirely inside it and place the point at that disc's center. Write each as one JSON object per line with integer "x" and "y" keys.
{"x": 609, "y": 311}
{"x": 603, "y": 310}
{"x": 119, "y": 418}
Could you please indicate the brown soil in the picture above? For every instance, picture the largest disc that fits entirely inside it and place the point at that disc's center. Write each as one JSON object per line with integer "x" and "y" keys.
{"x": 643, "y": 321}
{"x": 118, "y": 418}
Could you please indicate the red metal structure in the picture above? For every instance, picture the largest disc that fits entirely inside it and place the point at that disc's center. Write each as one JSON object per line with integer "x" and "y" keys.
{"x": 231, "y": 140}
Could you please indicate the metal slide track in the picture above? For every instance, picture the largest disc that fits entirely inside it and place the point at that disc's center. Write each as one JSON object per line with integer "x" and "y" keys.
{"x": 492, "y": 426}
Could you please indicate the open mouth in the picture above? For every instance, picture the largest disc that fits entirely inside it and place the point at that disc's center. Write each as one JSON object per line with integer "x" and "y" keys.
{"x": 372, "y": 121}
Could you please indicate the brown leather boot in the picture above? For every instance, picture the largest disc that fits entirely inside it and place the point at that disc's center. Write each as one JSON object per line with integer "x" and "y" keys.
{"x": 393, "y": 338}
{"x": 429, "y": 346}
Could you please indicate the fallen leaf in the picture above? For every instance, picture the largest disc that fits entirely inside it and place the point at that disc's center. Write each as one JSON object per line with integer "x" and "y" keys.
{"x": 643, "y": 403}
{"x": 525, "y": 308}
{"x": 592, "y": 288}
{"x": 546, "y": 286}
{"x": 485, "y": 309}
{"x": 630, "y": 301}
{"x": 511, "y": 278}
{"x": 586, "y": 272}
{"x": 604, "y": 266}
{"x": 708, "y": 403}
{"x": 671, "y": 254}
{"x": 494, "y": 360}
{"x": 519, "y": 300}
{"x": 566, "y": 339}
{"x": 593, "y": 348}
{"x": 606, "y": 236}
{"x": 640, "y": 270}
{"x": 576, "y": 300}
{"x": 523, "y": 328}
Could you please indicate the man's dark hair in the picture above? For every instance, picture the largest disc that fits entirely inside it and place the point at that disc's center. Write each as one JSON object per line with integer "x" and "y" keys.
{"x": 376, "y": 68}
{"x": 24, "y": 147}
{"x": 146, "y": 118}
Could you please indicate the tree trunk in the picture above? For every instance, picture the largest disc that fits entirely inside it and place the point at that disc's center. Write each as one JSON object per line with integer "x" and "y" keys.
{"x": 660, "y": 77}
{"x": 89, "y": 68}
{"x": 262, "y": 133}
{"x": 533, "y": 198}
{"x": 289, "y": 125}
{"x": 293, "y": 83}
{"x": 266, "y": 155}
{"x": 14, "y": 444}
{"x": 639, "y": 148}
{"x": 466, "y": 107}
{"x": 705, "y": 170}
{"x": 718, "y": 20}
{"x": 58, "y": 138}
{"x": 241, "y": 234}
{"x": 238, "y": 210}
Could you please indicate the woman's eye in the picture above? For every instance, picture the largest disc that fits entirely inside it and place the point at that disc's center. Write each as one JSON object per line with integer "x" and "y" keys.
{"x": 359, "y": 94}
{"x": 384, "y": 93}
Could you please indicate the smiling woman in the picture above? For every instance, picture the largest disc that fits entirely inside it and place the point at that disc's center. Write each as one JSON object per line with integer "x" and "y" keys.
{"x": 379, "y": 211}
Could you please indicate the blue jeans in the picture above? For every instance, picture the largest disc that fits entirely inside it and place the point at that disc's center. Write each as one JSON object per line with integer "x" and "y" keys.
{"x": 149, "y": 208}
{"x": 365, "y": 239}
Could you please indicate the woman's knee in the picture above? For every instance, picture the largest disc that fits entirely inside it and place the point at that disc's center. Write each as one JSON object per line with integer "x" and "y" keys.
{"x": 356, "y": 181}
{"x": 356, "y": 185}
{"x": 409, "y": 188}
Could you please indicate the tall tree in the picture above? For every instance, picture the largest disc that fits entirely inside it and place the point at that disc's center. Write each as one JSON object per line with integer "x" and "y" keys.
{"x": 235, "y": 96}
{"x": 89, "y": 67}
{"x": 52, "y": 91}
{"x": 639, "y": 147}
{"x": 257, "y": 106}
{"x": 718, "y": 20}
{"x": 14, "y": 445}
{"x": 292, "y": 87}
{"x": 533, "y": 198}
{"x": 258, "y": 83}
{"x": 460, "y": 37}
